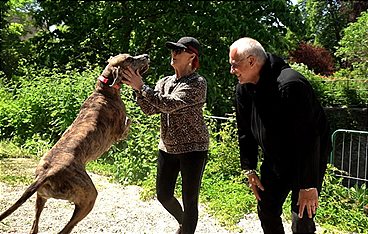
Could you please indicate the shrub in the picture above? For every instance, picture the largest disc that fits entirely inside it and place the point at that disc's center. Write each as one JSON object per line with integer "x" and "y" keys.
{"x": 223, "y": 188}
{"x": 223, "y": 153}
{"x": 43, "y": 103}
{"x": 338, "y": 90}
{"x": 135, "y": 158}
{"x": 340, "y": 207}
{"x": 316, "y": 58}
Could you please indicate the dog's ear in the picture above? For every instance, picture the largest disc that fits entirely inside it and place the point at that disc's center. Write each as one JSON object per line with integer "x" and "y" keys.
{"x": 116, "y": 74}
{"x": 118, "y": 63}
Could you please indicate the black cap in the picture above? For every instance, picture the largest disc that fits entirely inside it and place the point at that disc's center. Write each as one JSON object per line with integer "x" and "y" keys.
{"x": 186, "y": 43}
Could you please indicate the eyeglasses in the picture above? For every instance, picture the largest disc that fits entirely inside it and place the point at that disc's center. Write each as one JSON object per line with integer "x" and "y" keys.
{"x": 235, "y": 65}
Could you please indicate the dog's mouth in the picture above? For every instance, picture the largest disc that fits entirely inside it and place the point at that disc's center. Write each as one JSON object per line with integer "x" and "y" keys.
{"x": 141, "y": 63}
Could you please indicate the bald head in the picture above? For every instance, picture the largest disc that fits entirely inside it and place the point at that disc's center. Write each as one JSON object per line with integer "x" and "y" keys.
{"x": 246, "y": 58}
{"x": 248, "y": 46}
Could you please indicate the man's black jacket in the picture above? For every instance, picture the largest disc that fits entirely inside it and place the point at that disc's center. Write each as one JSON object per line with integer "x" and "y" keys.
{"x": 282, "y": 115}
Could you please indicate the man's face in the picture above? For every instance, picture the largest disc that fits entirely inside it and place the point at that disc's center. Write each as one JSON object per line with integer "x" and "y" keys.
{"x": 240, "y": 66}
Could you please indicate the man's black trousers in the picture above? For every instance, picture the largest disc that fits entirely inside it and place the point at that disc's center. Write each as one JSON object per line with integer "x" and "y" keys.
{"x": 276, "y": 190}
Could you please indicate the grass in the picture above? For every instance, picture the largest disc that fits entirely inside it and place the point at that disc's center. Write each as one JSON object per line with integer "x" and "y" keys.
{"x": 17, "y": 171}
{"x": 228, "y": 201}
{"x": 10, "y": 150}
{"x": 17, "y": 165}
{"x": 101, "y": 168}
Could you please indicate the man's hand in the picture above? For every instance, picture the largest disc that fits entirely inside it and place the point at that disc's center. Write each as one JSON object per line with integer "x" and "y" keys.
{"x": 255, "y": 184}
{"x": 133, "y": 79}
{"x": 308, "y": 198}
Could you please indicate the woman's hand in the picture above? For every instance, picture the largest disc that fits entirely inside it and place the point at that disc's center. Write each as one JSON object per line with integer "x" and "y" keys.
{"x": 132, "y": 78}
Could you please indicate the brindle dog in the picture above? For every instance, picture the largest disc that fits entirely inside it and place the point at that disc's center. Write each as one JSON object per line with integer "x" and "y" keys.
{"x": 101, "y": 122}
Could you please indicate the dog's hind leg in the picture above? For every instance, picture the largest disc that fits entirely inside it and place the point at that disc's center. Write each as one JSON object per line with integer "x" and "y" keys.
{"x": 40, "y": 204}
{"x": 83, "y": 205}
{"x": 80, "y": 212}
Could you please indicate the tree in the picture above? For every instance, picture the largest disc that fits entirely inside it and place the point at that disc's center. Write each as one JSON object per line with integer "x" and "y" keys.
{"x": 325, "y": 20}
{"x": 16, "y": 27}
{"x": 89, "y": 32}
{"x": 353, "y": 47}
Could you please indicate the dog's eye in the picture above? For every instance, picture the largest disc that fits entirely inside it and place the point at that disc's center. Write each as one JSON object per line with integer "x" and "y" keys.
{"x": 129, "y": 59}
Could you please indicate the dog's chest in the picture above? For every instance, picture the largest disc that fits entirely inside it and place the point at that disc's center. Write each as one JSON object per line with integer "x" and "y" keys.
{"x": 99, "y": 124}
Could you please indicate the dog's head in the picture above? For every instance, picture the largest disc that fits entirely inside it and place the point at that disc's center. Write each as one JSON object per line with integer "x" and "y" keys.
{"x": 113, "y": 71}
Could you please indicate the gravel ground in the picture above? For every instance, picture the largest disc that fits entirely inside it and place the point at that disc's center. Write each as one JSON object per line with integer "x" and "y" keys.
{"x": 118, "y": 209}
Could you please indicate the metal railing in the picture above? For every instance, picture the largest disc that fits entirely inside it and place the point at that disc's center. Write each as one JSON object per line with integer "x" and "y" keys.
{"x": 350, "y": 155}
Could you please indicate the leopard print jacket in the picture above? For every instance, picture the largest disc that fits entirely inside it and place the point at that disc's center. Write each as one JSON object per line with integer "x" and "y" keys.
{"x": 180, "y": 103}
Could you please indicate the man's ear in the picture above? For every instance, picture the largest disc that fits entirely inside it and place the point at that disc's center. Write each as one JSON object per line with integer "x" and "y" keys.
{"x": 252, "y": 60}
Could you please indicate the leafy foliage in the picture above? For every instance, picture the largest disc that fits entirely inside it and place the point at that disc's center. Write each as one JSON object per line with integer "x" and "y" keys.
{"x": 11, "y": 150}
{"x": 224, "y": 152}
{"x": 15, "y": 25}
{"x": 316, "y": 58}
{"x": 89, "y": 32}
{"x": 134, "y": 159}
{"x": 223, "y": 187}
{"x": 338, "y": 90}
{"x": 342, "y": 207}
{"x": 353, "y": 47}
{"x": 42, "y": 103}
{"x": 324, "y": 21}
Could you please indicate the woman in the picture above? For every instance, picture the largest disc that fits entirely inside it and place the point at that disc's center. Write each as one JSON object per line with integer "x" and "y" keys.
{"x": 184, "y": 136}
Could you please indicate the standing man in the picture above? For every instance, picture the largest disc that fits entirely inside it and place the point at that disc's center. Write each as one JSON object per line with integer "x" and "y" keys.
{"x": 277, "y": 109}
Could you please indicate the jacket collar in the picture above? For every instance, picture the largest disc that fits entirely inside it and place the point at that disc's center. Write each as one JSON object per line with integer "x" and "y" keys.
{"x": 185, "y": 78}
{"x": 269, "y": 73}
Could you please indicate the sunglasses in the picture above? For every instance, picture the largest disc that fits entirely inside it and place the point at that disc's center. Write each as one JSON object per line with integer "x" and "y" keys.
{"x": 178, "y": 50}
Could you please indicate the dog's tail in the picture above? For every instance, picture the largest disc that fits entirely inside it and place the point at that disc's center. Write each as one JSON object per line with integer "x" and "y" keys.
{"x": 27, "y": 194}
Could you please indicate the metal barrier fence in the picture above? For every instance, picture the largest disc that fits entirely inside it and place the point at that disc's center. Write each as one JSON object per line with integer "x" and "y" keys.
{"x": 350, "y": 155}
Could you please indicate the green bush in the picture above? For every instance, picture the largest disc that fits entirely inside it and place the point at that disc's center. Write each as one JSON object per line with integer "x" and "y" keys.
{"x": 37, "y": 109}
{"x": 135, "y": 158}
{"x": 8, "y": 109}
{"x": 353, "y": 47}
{"x": 340, "y": 207}
{"x": 43, "y": 103}
{"x": 224, "y": 189}
{"x": 341, "y": 89}
{"x": 223, "y": 159}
